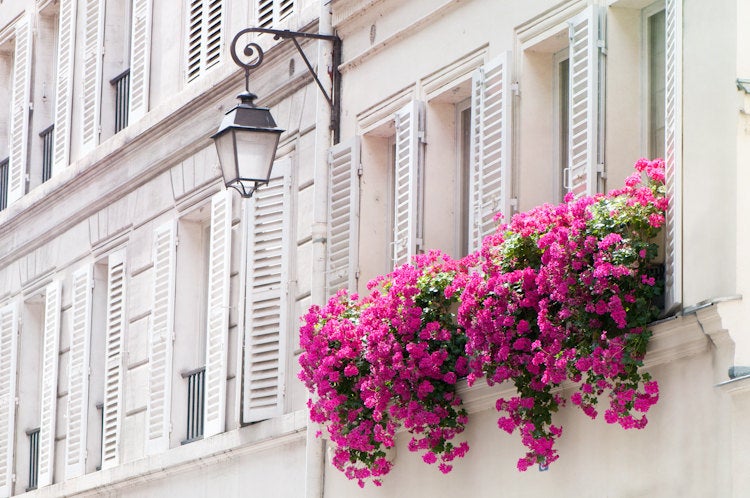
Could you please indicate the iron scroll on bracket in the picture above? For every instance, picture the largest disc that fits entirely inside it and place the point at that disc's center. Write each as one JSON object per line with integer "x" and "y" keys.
{"x": 253, "y": 58}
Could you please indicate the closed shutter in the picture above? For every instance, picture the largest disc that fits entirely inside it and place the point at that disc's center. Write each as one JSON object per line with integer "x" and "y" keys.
{"x": 50, "y": 356}
{"x": 673, "y": 154}
{"x": 217, "y": 324}
{"x": 8, "y": 359}
{"x": 407, "y": 182}
{"x": 78, "y": 372}
{"x": 19, "y": 114}
{"x": 195, "y": 32}
{"x": 490, "y": 148}
{"x": 64, "y": 84}
{"x": 140, "y": 59}
{"x": 267, "y": 297}
{"x": 205, "y": 36}
{"x": 343, "y": 217}
{"x": 92, "y": 72}
{"x": 113, "y": 360}
{"x": 213, "y": 36}
{"x": 581, "y": 176}
{"x": 160, "y": 341}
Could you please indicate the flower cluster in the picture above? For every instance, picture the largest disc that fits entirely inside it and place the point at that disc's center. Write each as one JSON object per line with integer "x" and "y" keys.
{"x": 390, "y": 359}
{"x": 564, "y": 293}
{"x": 561, "y": 294}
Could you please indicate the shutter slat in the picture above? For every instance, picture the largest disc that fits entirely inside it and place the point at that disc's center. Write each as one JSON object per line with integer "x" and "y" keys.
{"x": 113, "y": 375}
{"x": 64, "y": 85}
{"x": 160, "y": 340}
{"x": 50, "y": 357}
{"x": 8, "y": 369}
{"x": 267, "y": 307}
{"x": 78, "y": 374}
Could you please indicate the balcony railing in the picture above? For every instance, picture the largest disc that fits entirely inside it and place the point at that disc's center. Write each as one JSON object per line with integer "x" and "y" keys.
{"x": 4, "y": 183}
{"x": 121, "y": 82}
{"x": 33, "y": 458}
{"x": 196, "y": 397}
{"x": 47, "y": 137}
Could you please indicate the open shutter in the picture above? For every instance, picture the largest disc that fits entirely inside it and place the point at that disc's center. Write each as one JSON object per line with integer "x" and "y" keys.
{"x": 19, "y": 115}
{"x": 205, "y": 36}
{"x": 160, "y": 341}
{"x": 92, "y": 72}
{"x": 194, "y": 44}
{"x": 113, "y": 360}
{"x": 217, "y": 325}
{"x": 491, "y": 101}
{"x": 78, "y": 372}
{"x": 140, "y": 59}
{"x": 581, "y": 174}
{"x": 267, "y": 300}
{"x": 673, "y": 154}
{"x": 50, "y": 357}
{"x": 407, "y": 182}
{"x": 264, "y": 13}
{"x": 343, "y": 217}
{"x": 8, "y": 359}
{"x": 64, "y": 84}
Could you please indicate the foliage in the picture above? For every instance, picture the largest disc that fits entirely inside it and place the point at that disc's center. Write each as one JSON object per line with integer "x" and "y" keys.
{"x": 560, "y": 294}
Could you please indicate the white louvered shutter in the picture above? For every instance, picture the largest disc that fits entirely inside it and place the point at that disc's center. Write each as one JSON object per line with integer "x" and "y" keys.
{"x": 205, "y": 36}
{"x": 217, "y": 315}
{"x": 93, "y": 40}
{"x": 491, "y": 101}
{"x": 267, "y": 299}
{"x": 50, "y": 356}
{"x": 160, "y": 341}
{"x": 64, "y": 85}
{"x": 19, "y": 114}
{"x": 140, "y": 59}
{"x": 113, "y": 374}
{"x": 264, "y": 13}
{"x": 8, "y": 359}
{"x": 78, "y": 372}
{"x": 581, "y": 175}
{"x": 407, "y": 182}
{"x": 213, "y": 36}
{"x": 673, "y": 154}
{"x": 343, "y": 217}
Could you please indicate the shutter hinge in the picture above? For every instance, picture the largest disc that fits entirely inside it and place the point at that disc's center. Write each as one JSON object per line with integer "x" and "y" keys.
{"x": 356, "y": 274}
{"x": 360, "y": 170}
{"x": 421, "y": 137}
{"x": 514, "y": 202}
{"x": 600, "y": 169}
{"x": 602, "y": 46}
{"x": 31, "y": 106}
{"x": 516, "y": 89}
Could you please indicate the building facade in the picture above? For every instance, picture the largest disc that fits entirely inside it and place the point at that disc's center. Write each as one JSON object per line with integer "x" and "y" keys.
{"x": 149, "y": 317}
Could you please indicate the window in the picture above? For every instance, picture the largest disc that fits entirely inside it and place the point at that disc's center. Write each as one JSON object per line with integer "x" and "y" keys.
{"x": 204, "y": 36}
{"x": 121, "y": 85}
{"x": 463, "y": 140}
{"x": 202, "y": 332}
{"x": 562, "y": 122}
{"x": 48, "y": 142}
{"x": 115, "y": 78}
{"x": 40, "y": 166}
{"x": 4, "y": 184}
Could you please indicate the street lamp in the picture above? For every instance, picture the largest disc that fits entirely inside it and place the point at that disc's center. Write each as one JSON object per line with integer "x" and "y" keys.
{"x": 247, "y": 138}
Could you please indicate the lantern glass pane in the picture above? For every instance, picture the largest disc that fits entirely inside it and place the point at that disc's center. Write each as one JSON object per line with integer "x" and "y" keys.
{"x": 227, "y": 161}
{"x": 255, "y": 153}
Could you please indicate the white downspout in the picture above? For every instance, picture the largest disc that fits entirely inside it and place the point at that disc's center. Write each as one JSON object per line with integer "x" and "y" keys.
{"x": 315, "y": 447}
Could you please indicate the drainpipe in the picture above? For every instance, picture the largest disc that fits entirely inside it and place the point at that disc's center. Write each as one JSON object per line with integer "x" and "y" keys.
{"x": 315, "y": 447}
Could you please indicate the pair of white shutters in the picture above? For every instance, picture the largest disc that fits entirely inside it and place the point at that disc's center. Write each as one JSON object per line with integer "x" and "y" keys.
{"x": 8, "y": 371}
{"x": 270, "y": 13}
{"x": 162, "y": 333}
{"x": 79, "y": 366}
{"x": 92, "y": 66}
